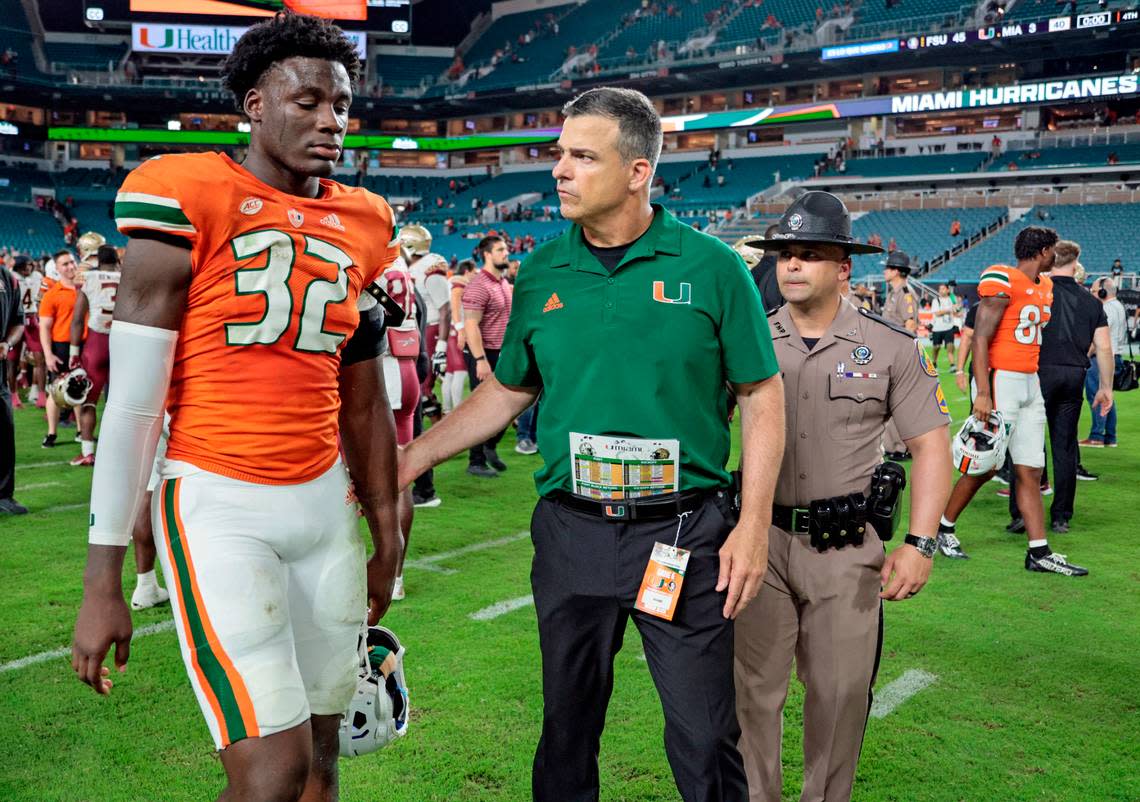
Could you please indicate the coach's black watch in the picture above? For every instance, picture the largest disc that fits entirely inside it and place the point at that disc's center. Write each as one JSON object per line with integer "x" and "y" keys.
{"x": 926, "y": 545}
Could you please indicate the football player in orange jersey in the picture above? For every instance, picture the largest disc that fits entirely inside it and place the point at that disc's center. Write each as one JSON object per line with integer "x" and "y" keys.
{"x": 240, "y": 278}
{"x": 1014, "y": 306}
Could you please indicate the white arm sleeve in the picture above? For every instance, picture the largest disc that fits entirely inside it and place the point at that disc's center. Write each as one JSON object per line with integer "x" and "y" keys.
{"x": 141, "y": 361}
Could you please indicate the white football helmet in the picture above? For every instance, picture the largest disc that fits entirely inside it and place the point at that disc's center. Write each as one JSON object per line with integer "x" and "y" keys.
{"x": 979, "y": 447}
{"x": 71, "y": 389}
{"x": 378, "y": 712}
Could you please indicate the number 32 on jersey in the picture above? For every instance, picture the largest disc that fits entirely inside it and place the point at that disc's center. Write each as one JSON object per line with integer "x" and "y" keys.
{"x": 272, "y": 281}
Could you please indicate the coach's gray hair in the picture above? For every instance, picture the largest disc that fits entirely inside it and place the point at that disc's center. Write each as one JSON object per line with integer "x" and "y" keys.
{"x": 639, "y": 127}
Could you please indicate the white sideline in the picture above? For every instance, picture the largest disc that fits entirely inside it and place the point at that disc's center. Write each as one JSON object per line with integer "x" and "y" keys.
{"x": 895, "y": 693}
{"x": 501, "y": 608}
{"x": 42, "y": 657}
{"x": 429, "y": 563}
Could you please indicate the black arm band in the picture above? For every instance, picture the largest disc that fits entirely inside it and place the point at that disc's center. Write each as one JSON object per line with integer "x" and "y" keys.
{"x": 367, "y": 342}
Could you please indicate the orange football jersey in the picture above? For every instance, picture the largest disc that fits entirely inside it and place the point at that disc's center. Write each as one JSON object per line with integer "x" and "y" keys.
{"x": 1016, "y": 345}
{"x": 272, "y": 300}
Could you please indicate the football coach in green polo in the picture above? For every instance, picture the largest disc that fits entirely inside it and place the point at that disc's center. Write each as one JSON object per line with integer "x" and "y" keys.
{"x": 635, "y": 328}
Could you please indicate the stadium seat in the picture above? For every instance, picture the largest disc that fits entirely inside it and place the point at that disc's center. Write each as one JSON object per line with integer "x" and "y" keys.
{"x": 922, "y": 233}
{"x": 1096, "y": 227}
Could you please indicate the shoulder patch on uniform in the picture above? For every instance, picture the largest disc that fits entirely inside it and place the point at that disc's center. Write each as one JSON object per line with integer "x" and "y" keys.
{"x": 940, "y": 397}
{"x": 872, "y": 316}
{"x": 924, "y": 359}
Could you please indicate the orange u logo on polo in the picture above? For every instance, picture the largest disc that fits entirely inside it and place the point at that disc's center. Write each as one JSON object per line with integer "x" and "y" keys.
{"x": 685, "y": 296}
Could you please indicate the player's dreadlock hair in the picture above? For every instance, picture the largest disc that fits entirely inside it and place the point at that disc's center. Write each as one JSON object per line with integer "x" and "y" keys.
{"x": 285, "y": 36}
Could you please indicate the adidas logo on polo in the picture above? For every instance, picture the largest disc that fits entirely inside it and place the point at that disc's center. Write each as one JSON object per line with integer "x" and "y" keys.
{"x": 552, "y": 303}
{"x": 332, "y": 221}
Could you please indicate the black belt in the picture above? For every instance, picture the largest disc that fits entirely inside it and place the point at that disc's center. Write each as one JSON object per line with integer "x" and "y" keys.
{"x": 647, "y": 508}
{"x": 791, "y": 519}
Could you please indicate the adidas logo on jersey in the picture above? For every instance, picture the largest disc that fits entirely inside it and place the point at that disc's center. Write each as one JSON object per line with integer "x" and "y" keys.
{"x": 332, "y": 221}
{"x": 552, "y": 303}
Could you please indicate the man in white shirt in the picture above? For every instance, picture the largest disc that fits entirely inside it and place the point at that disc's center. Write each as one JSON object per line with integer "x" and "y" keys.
{"x": 944, "y": 307}
{"x": 1103, "y": 432}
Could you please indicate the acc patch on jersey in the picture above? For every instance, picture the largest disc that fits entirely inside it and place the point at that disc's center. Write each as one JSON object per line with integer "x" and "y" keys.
{"x": 943, "y": 407}
{"x": 924, "y": 360}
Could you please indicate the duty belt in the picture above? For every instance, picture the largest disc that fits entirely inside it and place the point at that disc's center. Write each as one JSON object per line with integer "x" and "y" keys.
{"x": 646, "y": 508}
{"x": 791, "y": 519}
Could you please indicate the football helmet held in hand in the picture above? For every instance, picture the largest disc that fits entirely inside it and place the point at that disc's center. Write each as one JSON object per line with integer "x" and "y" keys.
{"x": 71, "y": 389}
{"x": 378, "y": 712}
{"x": 979, "y": 447}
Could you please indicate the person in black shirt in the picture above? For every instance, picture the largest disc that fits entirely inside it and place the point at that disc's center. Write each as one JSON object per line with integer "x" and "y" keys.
{"x": 1078, "y": 323}
{"x": 763, "y": 267}
{"x": 11, "y": 330}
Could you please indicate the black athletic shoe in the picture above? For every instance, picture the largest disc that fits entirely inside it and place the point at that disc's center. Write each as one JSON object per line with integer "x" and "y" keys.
{"x": 428, "y": 500}
{"x": 949, "y": 544}
{"x": 1085, "y": 476}
{"x": 1053, "y": 563}
{"x": 9, "y": 506}
{"x": 49, "y": 441}
{"x": 482, "y": 471}
{"x": 1060, "y": 527}
{"x": 1016, "y": 526}
{"x": 493, "y": 459}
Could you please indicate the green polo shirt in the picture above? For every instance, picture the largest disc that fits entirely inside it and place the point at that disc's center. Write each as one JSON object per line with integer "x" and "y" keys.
{"x": 642, "y": 352}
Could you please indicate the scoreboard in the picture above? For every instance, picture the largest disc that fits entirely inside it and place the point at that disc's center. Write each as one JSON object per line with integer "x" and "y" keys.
{"x": 391, "y": 18}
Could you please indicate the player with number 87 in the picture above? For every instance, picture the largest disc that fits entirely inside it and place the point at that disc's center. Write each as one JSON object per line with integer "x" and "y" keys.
{"x": 1014, "y": 306}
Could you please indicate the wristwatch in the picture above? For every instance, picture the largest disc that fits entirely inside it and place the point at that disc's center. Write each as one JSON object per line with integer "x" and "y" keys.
{"x": 926, "y": 545}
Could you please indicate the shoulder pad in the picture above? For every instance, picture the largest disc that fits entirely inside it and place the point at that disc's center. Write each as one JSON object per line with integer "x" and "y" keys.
{"x": 871, "y": 315}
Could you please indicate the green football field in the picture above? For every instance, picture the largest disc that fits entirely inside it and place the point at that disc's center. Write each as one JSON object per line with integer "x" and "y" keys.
{"x": 1014, "y": 686}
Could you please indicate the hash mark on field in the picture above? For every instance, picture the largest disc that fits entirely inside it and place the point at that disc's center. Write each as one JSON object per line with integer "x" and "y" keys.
{"x": 42, "y": 657}
{"x": 42, "y": 464}
{"x": 429, "y": 563}
{"x": 895, "y": 693}
{"x": 40, "y": 485}
{"x": 501, "y": 608}
{"x": 67, "y": 507}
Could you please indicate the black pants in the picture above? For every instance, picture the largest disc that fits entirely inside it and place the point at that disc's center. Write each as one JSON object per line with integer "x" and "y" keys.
{"x": 425, "y": 482}
{"x": 478, "y": 454}
{"x": 1063, "y": 389}
{"x": 7, "y": 443}
{"x": 586, "y": 575}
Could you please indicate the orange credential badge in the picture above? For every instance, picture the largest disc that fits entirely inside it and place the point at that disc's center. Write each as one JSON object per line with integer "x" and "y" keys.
{"x": 661, "y": 585}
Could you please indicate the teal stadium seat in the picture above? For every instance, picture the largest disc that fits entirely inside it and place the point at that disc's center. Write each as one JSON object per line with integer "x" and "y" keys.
{"x": 410, "y": 71}
{"x": 923, "y": 234}
{"x": 1084, "y": 156}
{"x": 94, "y": 57}
{"x": 914, "y": 165}
{"x": 1097, "y": 228}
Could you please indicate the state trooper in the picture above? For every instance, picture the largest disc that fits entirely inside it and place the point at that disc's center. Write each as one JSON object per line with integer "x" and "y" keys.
{"x": 845, "y": 372}
{"x": 900, "y": 307}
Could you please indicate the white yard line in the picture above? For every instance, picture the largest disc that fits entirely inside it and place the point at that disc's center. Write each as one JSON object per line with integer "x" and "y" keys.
{"x": 66, "y": 507}
{"x": 43, "y": 657}
{"x": 41, "y": 465}
{"x": 429, "y": 563}
{"x": 501, "y": 608}
{"x": 39, "y": 485}
{"x": 895, "y": 693}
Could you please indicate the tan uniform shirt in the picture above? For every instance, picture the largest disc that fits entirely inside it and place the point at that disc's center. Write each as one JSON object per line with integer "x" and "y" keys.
{"x": 900, "y": 307}
{"x": 837, "y": 397}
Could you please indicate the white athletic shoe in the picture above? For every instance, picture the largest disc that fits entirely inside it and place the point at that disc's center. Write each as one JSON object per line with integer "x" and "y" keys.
{"x": 150, "y": 596}
{"x": 398, "y": 589}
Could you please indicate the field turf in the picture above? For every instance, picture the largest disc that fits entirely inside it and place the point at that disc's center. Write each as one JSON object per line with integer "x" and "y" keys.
{"x": 1035, "y": 699}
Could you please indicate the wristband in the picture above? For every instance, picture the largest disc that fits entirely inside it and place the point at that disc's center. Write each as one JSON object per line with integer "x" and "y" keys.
{"x": 481, "y": 359}
{"x": 73, "y": 351}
